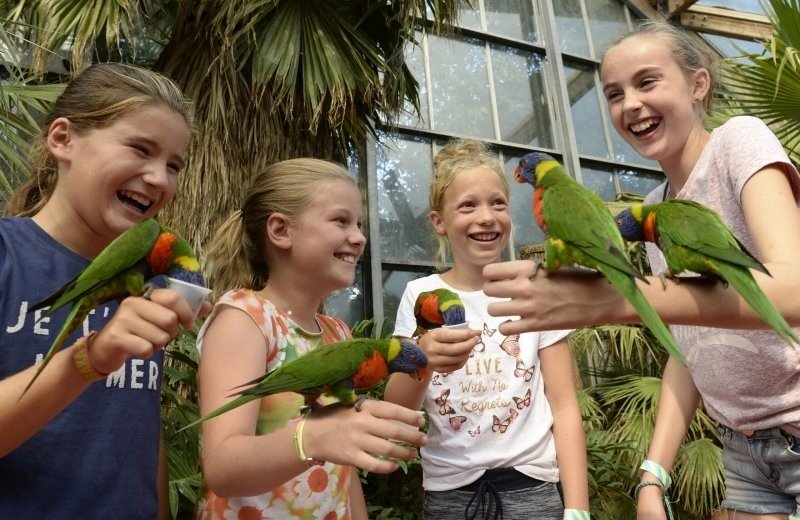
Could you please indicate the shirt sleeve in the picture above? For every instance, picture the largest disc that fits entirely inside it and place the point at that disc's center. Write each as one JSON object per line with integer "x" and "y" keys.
{"x": 405, "y": 323}
{"x": 551, "y": 337}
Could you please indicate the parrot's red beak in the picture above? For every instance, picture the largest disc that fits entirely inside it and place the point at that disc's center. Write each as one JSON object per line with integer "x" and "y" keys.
{"x": 518, "y": 175}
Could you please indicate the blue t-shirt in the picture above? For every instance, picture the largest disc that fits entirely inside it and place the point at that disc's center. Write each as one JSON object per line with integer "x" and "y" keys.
{"x": 99, "y": 457}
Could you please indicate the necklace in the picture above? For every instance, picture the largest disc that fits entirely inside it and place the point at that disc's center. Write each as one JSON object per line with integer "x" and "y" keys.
{"x": 666, "y": 192}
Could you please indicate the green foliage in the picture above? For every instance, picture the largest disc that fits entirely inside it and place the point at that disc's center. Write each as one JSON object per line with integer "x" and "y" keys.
{"x": 179, "y": 408}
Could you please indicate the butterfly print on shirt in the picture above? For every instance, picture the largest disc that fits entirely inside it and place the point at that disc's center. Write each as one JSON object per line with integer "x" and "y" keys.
{"x": 498, "y": 426}
{"x": 524, "y": 401}
{"x": 476, "y": 431}
{"x": 523, "y": 372}
{"x": 510, "y": 345}
{"x": 456, "y": 421}
{"x": 441, "y": 402}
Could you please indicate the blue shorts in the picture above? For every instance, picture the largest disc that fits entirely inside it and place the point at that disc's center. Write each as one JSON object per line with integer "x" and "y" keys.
{"x": 762, "y": 471}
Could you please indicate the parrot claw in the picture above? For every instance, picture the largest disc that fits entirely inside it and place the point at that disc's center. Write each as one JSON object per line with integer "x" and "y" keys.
{"x": 148, "y": 291}
{"x": 537, "y": 265}
{"x": 360, "y": 401}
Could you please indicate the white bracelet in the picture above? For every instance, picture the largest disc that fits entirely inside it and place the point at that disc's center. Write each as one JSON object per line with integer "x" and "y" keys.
{"x": 656, "y": 469}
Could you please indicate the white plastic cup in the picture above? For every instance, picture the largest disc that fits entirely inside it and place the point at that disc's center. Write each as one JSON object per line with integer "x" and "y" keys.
{"x": 194, "y": 295}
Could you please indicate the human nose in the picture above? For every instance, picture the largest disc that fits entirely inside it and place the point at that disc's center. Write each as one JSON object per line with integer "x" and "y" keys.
{"x": 631, "y": 102}
{"x": 485, "y": 215}
{"x": 158, "y": 174}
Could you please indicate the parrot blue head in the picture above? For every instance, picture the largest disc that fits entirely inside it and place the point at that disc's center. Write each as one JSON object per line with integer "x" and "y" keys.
{"x": 454, "y": 314}
{"x": 526, "y": 171}
{"x": 629, "y": 226}
{"x": 409, "y": 360}
{"x": 186, "y": 275}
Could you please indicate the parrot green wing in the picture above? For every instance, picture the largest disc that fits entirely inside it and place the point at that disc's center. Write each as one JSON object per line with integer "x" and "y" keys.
{"x": 323, "y": 366}
{"x": 693, "y": 226}
{"x": 568, "y": 210}
{"x": 121, "y": 254}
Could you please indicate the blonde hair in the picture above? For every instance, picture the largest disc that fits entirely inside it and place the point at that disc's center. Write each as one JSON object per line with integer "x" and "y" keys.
{"x": 237, "y": 256}
{"x": 94, "y": 99}
{"x": 687, "y": 55}
{"x": 456, "y": 156}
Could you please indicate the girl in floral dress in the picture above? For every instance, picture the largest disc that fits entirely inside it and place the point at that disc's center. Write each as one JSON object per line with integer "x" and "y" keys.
{"x": 296, "y": 239}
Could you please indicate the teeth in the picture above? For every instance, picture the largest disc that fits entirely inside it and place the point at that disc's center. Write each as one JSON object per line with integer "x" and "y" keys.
{"x": 144, "y": 201}
{"x": 350, "y": 259}
{"x": 644, "y": 125}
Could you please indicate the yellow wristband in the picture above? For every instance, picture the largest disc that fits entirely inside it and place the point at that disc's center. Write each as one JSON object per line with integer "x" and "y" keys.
{"x": 298, "y": 446}
{"x": 81, "y": 361}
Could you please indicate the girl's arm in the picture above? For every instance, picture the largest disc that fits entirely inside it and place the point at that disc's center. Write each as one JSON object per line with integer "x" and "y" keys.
{"x": 446, "y": 349}
{"x": 677, "y": 405}
{"x": 559, "y": 388}
{"x": 572, "y": 300}
{"x": 138, "y": 328}
{"x": 358, "y": 506}
{"x": 237, "y": 462}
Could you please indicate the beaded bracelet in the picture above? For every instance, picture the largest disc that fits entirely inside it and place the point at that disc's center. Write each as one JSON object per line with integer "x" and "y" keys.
{"x": 298, "y": 446}
{"x": 660, "y": 473}
{"x": 81, "y": 361}
{"x": 576, "y": 514}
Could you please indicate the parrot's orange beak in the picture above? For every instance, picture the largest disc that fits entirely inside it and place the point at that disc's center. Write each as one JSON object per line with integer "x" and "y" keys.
{"x": 421, "y": 374}
{"x": 518, "y": 175}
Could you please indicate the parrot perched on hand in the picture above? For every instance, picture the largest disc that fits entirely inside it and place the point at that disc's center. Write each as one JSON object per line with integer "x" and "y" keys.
{"x": 436, "y": 308}
{"x": 580, "y": 230}
{"x": 122, "y": 269}
{"x": 336, "y": 369}
{"x": 694, "y": 238}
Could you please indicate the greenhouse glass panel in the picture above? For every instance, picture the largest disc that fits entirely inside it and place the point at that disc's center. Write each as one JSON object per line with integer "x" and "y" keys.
{"x": 571, "y": 28}
{"x": 522, "y": 107}
{"x": 460, "y": 85}
{"x": 600, "y": 181}
{"x": 404, "y": 172}
{"x": 512, "y": 18}
{"x": 585, "y": 110}
{"x": 607, "y": 23}
{"x": 639, "y": 182}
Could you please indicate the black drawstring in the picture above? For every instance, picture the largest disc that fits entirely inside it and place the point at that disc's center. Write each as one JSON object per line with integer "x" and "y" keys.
{"x": 494, "y": 502}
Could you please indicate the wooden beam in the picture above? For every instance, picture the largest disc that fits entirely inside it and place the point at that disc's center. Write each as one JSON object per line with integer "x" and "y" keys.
{"x": 727, "y": 22}
{"x": 675, "y": 8}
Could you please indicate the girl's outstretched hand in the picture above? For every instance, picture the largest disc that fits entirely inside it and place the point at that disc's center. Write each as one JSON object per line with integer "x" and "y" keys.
{"x": 565, "y": 299}
{"x": 368, "y": 439}
{"x": 448, "y": 350}
{"x": 139, "y": 328}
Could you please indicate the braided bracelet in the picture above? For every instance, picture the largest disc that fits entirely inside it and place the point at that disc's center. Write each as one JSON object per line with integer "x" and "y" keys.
{"x": 298, "y": 446}
{"x": 664, "y": 496}
{"x": 81, "y": 361}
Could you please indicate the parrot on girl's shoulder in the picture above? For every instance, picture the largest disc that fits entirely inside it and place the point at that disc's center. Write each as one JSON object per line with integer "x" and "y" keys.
{"x": 436, "y": 308}
{"x": 122, "y": 269}
{"x": 694, "y": 238}
{"x": 581, "y": 231}
{"x": 337, "y": 369}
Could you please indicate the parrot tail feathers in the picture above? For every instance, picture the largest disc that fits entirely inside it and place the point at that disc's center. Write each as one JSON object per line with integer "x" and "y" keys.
{"x": 70, "y": 324}
{"x": 650, "y": 318}
{"x": 742, "y": 280}
{"x": 227, "y": 407}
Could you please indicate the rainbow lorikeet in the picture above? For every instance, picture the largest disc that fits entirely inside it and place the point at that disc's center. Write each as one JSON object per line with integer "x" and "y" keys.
{"x": 581, "y": 231}
{"x": 122, "y": 269}
{"x": 337, "y": 369}
{"x": 436, "y": 308}
{"x": 694, "y": 238}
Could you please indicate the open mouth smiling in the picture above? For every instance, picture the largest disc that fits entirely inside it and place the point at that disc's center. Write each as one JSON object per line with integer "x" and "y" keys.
{"x": 645, "y": 126}
{"x": 350, "y": 259}
{"x": 485, "y": 237}
{"x": 134, "y": 200}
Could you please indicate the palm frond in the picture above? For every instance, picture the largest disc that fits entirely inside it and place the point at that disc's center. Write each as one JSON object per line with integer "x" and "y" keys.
{"x": 698, "y": 476}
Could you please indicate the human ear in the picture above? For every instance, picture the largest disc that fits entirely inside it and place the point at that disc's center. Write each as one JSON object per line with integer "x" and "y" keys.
{"x": 438, "y": 222}
{"x": 59, "y": 140}
{"x": 277, "y": 231}
{"x": 702, "y": 84}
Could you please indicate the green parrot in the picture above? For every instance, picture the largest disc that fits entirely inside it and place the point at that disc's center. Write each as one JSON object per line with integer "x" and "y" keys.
{"x": 122, "y": 269}
{"x": 436, "y": 308}
{"x": 694, "y": 238}
{"x": 580, "y": 230}
{"x": 336, "y": 369}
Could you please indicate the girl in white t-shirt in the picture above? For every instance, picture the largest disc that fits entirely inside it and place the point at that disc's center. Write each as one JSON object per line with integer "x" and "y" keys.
{"x": 505, "y": 427}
